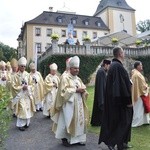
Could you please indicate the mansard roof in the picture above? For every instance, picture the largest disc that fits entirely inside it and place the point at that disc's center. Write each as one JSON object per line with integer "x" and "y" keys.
{"x": 122, "y": 4}
{"x": 53, "y": 18}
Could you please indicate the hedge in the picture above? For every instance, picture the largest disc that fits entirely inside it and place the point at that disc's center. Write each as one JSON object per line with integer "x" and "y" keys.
{"x": 146, "y": 65}
{"x": 5, "y": 115}
{"x": 88, "y": 65}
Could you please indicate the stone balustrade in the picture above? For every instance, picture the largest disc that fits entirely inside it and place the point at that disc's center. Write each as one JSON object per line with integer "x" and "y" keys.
{"x": 88, "y": 49}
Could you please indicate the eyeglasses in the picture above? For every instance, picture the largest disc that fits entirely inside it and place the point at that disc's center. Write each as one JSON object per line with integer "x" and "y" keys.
{"x": 23, "y": 66}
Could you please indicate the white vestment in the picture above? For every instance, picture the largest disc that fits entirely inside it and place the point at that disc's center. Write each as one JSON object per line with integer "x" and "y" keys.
{"x": 73, "y": 108}
{"x": 139, "y": 115}
{"x": 51, "y": 95}
{"x": 38, "y": 89}
{"x": 24, "y": 99}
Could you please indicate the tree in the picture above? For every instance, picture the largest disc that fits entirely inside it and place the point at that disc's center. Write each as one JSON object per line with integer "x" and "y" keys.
{"x": 7, "y": 53}
{"x": 143, "y": 26}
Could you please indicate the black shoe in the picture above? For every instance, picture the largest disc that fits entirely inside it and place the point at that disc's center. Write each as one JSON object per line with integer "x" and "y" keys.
{"x": 111, "y": 147}
{"x": 26, "y": 126}
{"x": 126, "y": 146}
{"x": 22, "y": 128}
{"x": 14, "y": 115}
{"x": 65, "y": 142}
{"x": 81, "y": 144}
{"x": 41, "y": 109}
{"x": 48, "y": 117}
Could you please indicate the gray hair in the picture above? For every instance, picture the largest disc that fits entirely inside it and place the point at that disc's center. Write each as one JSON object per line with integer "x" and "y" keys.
{"x": 116, "y": 51}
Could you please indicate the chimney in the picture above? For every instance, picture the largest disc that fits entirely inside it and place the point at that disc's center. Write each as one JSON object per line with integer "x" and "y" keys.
{"x": 51, "y": 9}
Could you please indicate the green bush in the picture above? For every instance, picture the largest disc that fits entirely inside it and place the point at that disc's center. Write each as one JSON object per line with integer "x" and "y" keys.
{"x": 5, "y": 115}
{"x": 146, "y": 69}
{"x": 88, "y": 65}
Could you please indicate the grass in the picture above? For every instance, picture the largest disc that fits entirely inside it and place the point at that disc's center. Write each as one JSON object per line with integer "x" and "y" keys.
{"x": 140, "y": 139}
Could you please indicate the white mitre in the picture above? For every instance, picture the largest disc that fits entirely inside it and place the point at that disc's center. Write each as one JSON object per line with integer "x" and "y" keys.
{"x": 67, "y": 62}
{"x": 2, "y": 63}
{"x": 22, "y": 61}
{"x": 74, "y": 62}
{"x": 32, "y": 65}
{"x": 53, "y": 66}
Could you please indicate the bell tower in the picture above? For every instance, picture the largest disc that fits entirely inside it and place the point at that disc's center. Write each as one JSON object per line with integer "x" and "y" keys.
{"x": 117, "y": 15}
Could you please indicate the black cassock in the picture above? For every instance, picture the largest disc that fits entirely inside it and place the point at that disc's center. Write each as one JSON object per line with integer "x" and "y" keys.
{"x": 100, "y": 83}
{"x": 117, "y": 117}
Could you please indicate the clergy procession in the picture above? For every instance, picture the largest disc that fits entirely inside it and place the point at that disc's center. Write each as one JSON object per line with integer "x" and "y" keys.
{"x": 120, "y": 101}
{"x": 61, "y": 98}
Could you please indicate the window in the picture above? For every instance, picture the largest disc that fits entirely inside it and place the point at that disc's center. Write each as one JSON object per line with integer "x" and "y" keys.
{"x": 37, "y": 31}
{"x": 63, "y": 33}
{"x": 94, "y": 35}
{"x": 119, "y": 3}
{"x": 38, "y": 47}
{"x": 49, "y": 32}
{"x": 98, "y": 24}
{"x": 75, "y": 34}
{"x": 20, "y": 44}
{"x": 74, "y": 21}
{"x": 86, "y": 23}
{"x": 59, "y": 19}
{"x": 84, "y": 34}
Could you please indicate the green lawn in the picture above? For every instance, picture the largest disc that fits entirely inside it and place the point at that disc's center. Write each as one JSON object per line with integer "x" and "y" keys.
{"x": 140, "y": 135}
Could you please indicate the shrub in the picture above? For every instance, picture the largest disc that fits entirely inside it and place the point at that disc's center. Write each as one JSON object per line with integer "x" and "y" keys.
{"x": 146, "y": 69}
{"x": 88, "y": 65}
{"x": 86, "y": 38}
{"x": 55, "y": 36}
{"x": 114, "y": 40}
{"x": 5, "y": 115}
{"x": 138, "y": 42}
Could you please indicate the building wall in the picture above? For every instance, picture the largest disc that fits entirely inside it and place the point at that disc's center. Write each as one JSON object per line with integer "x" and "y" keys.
{"x": 111, "y": 17}
{"x": 29, "y": 42}
{"x": 128, "y": 23}
{"x": 103, "y": 15}
{"x": 32, "y": 39}
{"x": 133, "y": 23}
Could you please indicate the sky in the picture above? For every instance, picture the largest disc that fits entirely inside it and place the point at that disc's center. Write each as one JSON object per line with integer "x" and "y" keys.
{"x": 13, "y": 13}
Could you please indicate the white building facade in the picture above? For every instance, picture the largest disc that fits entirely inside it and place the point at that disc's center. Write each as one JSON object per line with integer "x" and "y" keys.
{"x": 35, "y": 36}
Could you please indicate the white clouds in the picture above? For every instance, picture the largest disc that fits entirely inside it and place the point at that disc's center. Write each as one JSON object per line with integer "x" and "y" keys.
{"x": 15, "y": 12}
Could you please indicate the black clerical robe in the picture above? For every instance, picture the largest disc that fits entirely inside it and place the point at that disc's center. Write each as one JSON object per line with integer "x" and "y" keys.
{"x": 100, "y": 83}
{"x": 117, "y": 117}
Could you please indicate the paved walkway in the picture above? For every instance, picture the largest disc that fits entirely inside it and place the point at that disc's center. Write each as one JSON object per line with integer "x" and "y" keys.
{"x": 40, "y": 137}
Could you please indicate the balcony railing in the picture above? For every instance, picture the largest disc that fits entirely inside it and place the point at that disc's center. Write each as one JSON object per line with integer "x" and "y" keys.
{"x": 92, "y": 50}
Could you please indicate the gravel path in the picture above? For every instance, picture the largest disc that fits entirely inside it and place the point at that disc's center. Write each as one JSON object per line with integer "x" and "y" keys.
{"x": 40, "y": 137}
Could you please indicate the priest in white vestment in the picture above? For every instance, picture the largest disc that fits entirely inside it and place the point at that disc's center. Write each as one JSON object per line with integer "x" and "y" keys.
{"x": 11, "y": 76}
{"x": 38, "y": 90}
{"x": 67, "y": 67}
{"x": 3, "y": 73}
{"x": 24, "y": 101}
{"x": 139, "y": 88}
{"x": 51, "y": 84}
{"x": 70, "y": 115}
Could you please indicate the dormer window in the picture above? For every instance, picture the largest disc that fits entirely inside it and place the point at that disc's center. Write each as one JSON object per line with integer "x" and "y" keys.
{"x": 98, "y": 24}
{"x": 86, "y": 23}
{"x": 119, "y": 3}
{"x": 74, "y": 21}
{"x": 59, "y": 19}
